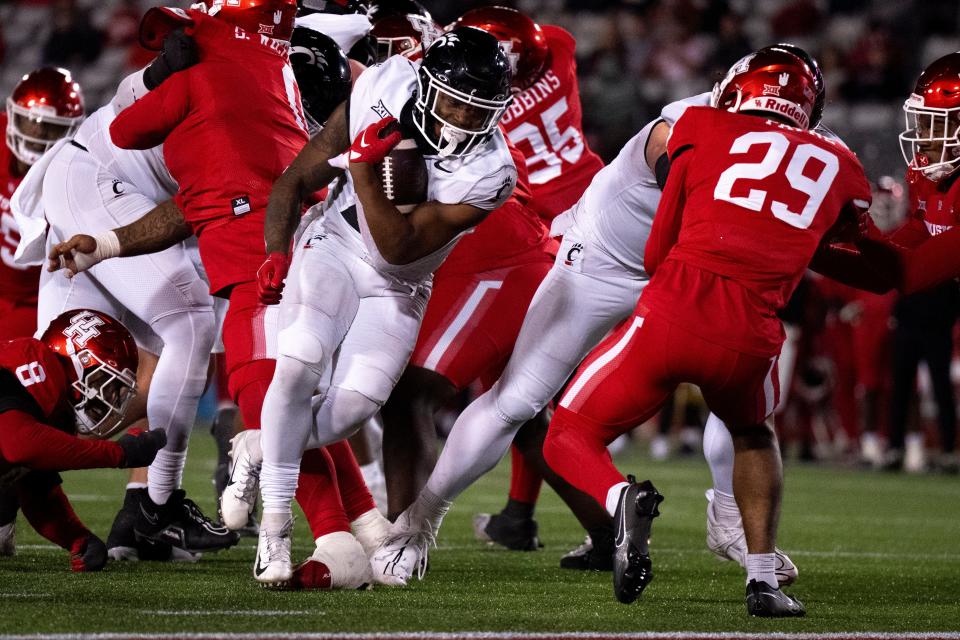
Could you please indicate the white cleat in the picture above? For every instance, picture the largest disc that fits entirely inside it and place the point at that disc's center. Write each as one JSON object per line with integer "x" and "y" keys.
{"x": 403, "y": 553}
{"x": 728, "y": 542}
{"x": 345, "y": 558}
{"x": 240, "y": 495}
{"x": 8, "y": 539}
{"x": 272, "y": 566}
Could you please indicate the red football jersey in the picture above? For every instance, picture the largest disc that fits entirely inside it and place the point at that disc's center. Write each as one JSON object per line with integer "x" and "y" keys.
{"x": 934, "y": 207}
{"x": 745, "y": 207}
{"x": 544, "y": 121}
{"x": 39, "y": 371}
{"x": 17, "y": 283}
{"x": 230, "y": 125}
{"x": 506, "y": 237}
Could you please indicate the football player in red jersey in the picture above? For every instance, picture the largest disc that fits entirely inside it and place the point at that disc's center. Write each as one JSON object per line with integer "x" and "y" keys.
{"x": 743, "y": 212}
{"x": 243, "y": 50}
{"x": 45, "y": 105}
{"x": 78, "y": 377}
{"x": 544, "y": 122}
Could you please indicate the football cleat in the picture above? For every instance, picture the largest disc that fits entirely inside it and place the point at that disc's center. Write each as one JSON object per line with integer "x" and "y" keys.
{"x": 180, "y": 523}
{"x": 636, "y": 509}
{"x": 272, "y": 566}
{"x": 122, "y": 543}
{"x": 404, "y": 552}
{"x": 240, "y": 495}
{"x": 764, "y": 601}
{"x": 8, "y": 539}
{"x": 516, "y": 534}
{"x": 346, "y": 560}
{"x": 595, "y": 554}
{"x": 728, "y": 542}
{"x": 310, "y": 575}
{"x": 370, "y": 530}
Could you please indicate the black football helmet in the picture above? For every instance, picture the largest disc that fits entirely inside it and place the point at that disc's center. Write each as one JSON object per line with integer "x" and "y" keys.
{"x": 322, "y": 72}
{"x": 463, "y": 86}
{"x": 819, "y": 85}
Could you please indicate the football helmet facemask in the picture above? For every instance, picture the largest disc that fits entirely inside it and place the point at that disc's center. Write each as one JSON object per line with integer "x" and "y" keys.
{"x": 930, "y": 143}
{"x": 772, "y": 80}
{"x": 45, "y": 106}
{"x": 463, "y": 88}
{"x": 102, "y": 356}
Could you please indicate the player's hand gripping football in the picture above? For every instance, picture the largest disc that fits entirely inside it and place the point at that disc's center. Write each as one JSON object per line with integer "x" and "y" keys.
{"x": 270, "y": 277}
{"x": 376, "y": 141}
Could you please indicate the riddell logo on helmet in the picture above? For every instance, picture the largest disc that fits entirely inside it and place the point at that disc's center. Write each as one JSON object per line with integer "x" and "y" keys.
{"x": 778, "y": 105}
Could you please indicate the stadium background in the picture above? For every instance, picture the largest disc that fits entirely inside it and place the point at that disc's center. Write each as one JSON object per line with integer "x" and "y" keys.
{"x": 634, "y": 57}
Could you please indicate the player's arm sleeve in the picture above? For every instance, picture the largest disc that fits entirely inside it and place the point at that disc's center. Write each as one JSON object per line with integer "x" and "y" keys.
{"x": 669, "y": 216}
{"x": 847, "y": 265}
{"x": 921, "y": 267}
{"x": 147, "y": 122}
{"x": 47, "y": 509}
{"x": 131, "y": 89}
{"x": 24, "y": 441}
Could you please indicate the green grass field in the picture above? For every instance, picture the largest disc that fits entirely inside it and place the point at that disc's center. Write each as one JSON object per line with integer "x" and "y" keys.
{"x": 875, "y": 552}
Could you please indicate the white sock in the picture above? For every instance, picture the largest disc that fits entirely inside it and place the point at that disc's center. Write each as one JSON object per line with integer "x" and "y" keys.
{"x": 430, "y": 507}
{"x": 274, "y": 522}
{"x": 164, "y": 474}
{"x": 762, "y": 567}
{"x": 278, "y": 485}
{"x": 613, "y": 497}
{"x": 726, "y": 507}
{"x": 136, "y": 485}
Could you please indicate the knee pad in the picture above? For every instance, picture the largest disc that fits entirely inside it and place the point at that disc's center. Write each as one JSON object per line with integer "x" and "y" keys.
{"x": 512, "y": 406}
{"x": 347, "y": 410}
{"x": 301, "y": 344}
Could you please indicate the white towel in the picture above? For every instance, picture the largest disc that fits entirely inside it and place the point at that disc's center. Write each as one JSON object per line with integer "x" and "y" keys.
{"x": 27, "y": 207}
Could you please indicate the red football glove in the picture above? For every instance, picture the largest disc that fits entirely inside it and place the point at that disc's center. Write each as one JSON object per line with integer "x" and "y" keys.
{"x": 88, "y": 554}
{"x": 270, "y": 277}
{"x": 376, "y": 141}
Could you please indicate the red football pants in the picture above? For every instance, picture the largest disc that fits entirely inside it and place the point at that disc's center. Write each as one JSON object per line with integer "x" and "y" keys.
{"x": 626, "y": 380}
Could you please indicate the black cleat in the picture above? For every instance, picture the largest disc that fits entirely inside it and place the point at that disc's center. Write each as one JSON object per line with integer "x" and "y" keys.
{"x": 181, "y": 524}
{"x": 516, "y": 534}
{"x": 632, "y": 569}
{"x": 765, "y": 601}
{"x": 595, "y": 554}
{"x": 122, "y": 543}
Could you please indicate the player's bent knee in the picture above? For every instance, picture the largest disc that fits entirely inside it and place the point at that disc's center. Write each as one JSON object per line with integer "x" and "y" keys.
{"x": 512, "y": 407}
{"x": 349, "y": 410}
{"x": 299, "y": 343}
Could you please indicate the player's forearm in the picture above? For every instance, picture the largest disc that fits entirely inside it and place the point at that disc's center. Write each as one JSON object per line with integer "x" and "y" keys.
{"x": 161, "y": 228}
{"x": 850, "y": 267}
{"x": 929, "y": 264}
{"x": 391, "y": 230}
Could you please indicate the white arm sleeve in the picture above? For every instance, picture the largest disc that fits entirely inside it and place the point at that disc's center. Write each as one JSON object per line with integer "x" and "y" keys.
{"x": 130, "y": 90}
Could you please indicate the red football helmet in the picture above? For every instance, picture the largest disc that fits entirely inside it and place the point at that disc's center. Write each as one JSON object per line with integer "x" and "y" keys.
{"x": 771, "y": 80}
{"x": 103, "y": 358}
{"x": 521, "y": 38}
{"x": 272, "y": 18}
{"x": 402, "y": 34}
{"x": 46, "y": 105}
{"x": 931, "y": 141}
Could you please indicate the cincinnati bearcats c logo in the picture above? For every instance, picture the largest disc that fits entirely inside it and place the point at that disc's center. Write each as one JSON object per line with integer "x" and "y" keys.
{"x": 573, "y": 254}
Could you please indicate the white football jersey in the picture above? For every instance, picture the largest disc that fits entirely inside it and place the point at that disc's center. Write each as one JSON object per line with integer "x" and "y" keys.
{"x": 484, "y": 178}
{"x": 144, "y": 171}
{"x": 619, "y": 205}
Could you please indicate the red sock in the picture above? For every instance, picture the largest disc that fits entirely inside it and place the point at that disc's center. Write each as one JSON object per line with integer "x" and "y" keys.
{"x": 48, "y": 511}
{"x": 353, "y": 489}
{"x": 575, "y": 448}
{"x": 525, "y": 480}
{"x": 318, "y": 494}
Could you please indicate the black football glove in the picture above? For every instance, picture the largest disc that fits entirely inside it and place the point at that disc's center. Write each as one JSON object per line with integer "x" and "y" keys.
{"x": 88, "y": 554}
{"x": 179, "y": 52}
{"x": 140, "y": 449}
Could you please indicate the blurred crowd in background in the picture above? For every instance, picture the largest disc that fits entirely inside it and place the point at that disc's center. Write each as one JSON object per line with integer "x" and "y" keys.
{"x": 851, "y": 385}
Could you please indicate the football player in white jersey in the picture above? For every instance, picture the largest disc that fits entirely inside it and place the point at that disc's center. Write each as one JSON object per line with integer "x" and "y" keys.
{"x": 89, "y": 184}
{"x": 361, "y": 274}
{"x": 595, "y": 283}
